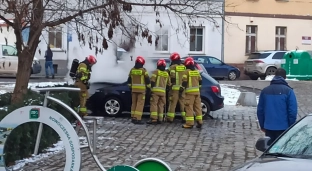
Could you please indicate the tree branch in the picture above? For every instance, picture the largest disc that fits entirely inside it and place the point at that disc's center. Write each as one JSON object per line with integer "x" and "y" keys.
{"x": 6, "y": 21}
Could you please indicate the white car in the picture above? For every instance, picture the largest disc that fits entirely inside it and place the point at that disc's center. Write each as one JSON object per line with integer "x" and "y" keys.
{"x": 263, "y": 63}
{"x": 9, "y": 61}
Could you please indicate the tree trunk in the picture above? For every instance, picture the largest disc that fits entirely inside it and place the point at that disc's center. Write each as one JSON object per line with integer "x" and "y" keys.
{"x": 22, "y": 76}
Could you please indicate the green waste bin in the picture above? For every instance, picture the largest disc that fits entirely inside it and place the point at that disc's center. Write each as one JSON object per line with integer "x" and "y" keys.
{"x": 298, "y": 65}
{"x": 152, "y": 164}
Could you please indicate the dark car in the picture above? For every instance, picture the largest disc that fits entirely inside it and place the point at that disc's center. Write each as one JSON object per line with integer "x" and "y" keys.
{"x": 218, "y": 69}
{"x": 114, "y": 99}
{"x": 292, "y": 151}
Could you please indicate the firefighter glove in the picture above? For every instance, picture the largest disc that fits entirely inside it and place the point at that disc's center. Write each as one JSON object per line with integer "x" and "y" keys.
{"x": 79, "y": 75}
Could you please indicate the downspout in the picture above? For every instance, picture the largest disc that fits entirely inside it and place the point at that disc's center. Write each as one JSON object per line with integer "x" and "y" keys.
{"x": 222, "y": 40}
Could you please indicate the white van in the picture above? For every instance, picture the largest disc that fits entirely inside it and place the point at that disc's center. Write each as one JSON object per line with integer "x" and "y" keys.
{"x": 9, "y": 61}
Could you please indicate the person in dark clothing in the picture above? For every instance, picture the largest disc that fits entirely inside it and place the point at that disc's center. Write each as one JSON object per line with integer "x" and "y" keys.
{"x": 277, "y": 107}
{"x": 49, "y": 62}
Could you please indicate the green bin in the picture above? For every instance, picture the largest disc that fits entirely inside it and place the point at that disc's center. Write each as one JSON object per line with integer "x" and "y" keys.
{"x": 298, "y": 65}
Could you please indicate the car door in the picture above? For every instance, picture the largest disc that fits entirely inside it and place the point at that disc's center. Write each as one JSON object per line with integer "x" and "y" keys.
{"x": 277, "y": 58}
{"x": 217, "y": 67}
{"x": 9, "y": 54}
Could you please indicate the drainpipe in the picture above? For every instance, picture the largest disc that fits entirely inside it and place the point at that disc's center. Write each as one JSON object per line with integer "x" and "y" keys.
{"x": 222, "y": 41}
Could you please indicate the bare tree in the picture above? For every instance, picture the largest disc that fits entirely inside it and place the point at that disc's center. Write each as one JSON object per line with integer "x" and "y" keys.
{"x": 95, "y": 22}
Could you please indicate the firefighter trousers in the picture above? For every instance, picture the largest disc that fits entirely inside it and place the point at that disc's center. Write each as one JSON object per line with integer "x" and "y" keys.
{"x": 174, "y": 98}
{"x": 193, "y": 105}
{"x": 138, "y": 100}
{"x": 158, "y": 102}
{"x": 83, "y": 96}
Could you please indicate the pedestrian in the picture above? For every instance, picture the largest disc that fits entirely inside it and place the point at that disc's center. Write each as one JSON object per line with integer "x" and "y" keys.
{"x": 192, "y": 82}
{"x": 176, "y": 71}
{"x": 277, "y": 107}
{"x": 138, "y": 81}
{"x": 160, "y": 81}
{"x": 83, "y": 75}
{"x": 49, "y": 62}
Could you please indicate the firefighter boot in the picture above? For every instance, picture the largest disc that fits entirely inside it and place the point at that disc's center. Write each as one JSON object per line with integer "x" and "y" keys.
{"x": 153, "y": 122}
{"x": 187, "y": 126}
{"x": 137, "y": 122}
{"x": 199, "y": 125}
{"x": 183, "y": 121}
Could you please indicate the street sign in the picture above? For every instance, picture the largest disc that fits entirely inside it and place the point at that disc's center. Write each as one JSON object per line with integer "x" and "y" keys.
{"x": 34, "y": 113}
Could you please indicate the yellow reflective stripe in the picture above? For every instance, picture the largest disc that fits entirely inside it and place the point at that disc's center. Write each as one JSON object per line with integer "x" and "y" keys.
{"x": 199, "y": 117}
{"x": 189, "y": 118}
{"x": 170, "y": 114}
{"x": 138, "y": 113}
{"x": 154, "y": 75}
{"x": 172, "y": 71}
{"x": 184, "y": 76}
{"x": 154, "y": 113}
{"x": 176, "y": 87}
{"x": 84, "y": 78}
{"x": 182, "y": 113}
{"x": 132, "y": 112}
{"x": 193, "y": 73}
{"x": 159, "y": 89}
{"x": 138, "y": 86}
{"x": 192, "y": 89}
{"x": 136, "y": 72}
{"x": 180, "y": 68}
{"x": 83, "y": 109}
{"x": 83, "y": 69}
{"x": 163, "y": 74}
{"x": 161, "y": 115}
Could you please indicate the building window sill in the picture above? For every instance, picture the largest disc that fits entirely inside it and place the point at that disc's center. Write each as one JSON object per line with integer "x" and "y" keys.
{"x": 57, "y": 50}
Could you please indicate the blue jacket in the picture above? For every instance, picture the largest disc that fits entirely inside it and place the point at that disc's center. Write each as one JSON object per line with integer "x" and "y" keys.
{"x": 48, "y": 55}
{"x": 277, "y": 107}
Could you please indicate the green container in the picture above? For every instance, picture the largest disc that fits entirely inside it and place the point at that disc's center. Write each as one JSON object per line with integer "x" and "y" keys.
{"x": 298, "y": 65}
{"x": 122, "y": 168}
{"x": 152, "y": 164}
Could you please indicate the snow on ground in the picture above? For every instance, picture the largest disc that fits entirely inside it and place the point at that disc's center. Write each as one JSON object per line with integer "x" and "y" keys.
{"x": 230, "y": 95}
{"x": 33, "y": 85}
{"x": 270, "y": 77}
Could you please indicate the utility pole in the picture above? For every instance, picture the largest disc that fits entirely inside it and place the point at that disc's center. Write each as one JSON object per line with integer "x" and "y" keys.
{"x": 222, "y": 41}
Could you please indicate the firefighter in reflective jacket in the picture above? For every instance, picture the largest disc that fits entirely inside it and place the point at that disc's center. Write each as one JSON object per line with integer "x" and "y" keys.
{"x": 176, "y": 94}
{"x": 138, "y": 82}
{"x": 160, "y": 81}
{"x": 192, "y": 82}
{"x": 83, "y": 74}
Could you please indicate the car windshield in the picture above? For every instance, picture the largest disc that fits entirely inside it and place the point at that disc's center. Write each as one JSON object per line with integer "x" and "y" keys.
{"x": 296, "y": 142}
{"x": 258, "y": 55}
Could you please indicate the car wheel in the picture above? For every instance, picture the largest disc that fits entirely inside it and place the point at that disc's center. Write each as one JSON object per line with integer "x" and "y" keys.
{"x": 112, "y": 106}
{"x": 253, "y": 77}
{"x": 205, "y": 109}
{"x": 232, "y": 75}
{"x": 270, "y": 71}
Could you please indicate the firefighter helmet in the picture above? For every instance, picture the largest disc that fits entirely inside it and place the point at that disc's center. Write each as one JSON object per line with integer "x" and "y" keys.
{"x": 140, "y": 60}
{"x": 161, "y": 62}
{"x": 91, "y": 59}
{"x": 174, "y": 56}
{"x": 189, "y": 61}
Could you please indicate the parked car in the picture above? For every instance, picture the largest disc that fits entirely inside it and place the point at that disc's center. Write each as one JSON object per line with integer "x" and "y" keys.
{"x": 9, "y": 61}
{"x": 291, "y": 151}
{"x": 216, "y": 68}
{"x": 114, "y": 99}
{"x": 263, "y": 63}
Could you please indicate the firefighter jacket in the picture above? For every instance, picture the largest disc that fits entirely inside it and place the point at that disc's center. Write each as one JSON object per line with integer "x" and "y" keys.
{"x": 176, "y": 73}
{"x": 83, "y": 72}
{"x": 160, "y": 80}
{"x": 192, "y": 81}
{"x": 138, "y": 80}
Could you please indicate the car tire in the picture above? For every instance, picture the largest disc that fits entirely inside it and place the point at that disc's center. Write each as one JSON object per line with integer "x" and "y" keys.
{"x": 253, "y": 77}
{"x": 112, "y": 106}
{"x": 205, "y": 109}
{"x": 232, "y": 75}
{"x": 270, "y": 71}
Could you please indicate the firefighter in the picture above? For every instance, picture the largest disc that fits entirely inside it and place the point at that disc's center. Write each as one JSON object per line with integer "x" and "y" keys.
{"x": 83, "y": 74}
{"x": 176, "y": 94}
{"x": 160, "y": 81}
{"x": 192, "y": 82}
{"x": 138, "y": 82}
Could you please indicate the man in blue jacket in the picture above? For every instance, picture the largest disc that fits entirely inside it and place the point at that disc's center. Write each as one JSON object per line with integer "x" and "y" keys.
{"x": 49, "y": 62}
{"x": 277, "y": 107}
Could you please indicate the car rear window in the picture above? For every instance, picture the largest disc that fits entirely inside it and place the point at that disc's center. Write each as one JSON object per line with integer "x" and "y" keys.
{"x": 209, "y": 78}
{"x": 258, "y": 55}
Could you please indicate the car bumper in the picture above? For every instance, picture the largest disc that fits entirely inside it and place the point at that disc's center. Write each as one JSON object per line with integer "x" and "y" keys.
{"x": 253, "y": 73}
{"x": 36, "y": 68}
{"x": 217, "y": 103}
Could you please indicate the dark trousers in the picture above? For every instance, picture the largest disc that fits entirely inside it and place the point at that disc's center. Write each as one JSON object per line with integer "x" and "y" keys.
{"x": 273, "y": 134}
{"x": 49, "y": 64}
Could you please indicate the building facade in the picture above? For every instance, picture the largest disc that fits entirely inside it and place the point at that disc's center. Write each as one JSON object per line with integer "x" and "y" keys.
{"x": 254, "y": 25}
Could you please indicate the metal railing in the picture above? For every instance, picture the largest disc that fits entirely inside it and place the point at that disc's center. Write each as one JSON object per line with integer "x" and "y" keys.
{"x": 95, "y": 120}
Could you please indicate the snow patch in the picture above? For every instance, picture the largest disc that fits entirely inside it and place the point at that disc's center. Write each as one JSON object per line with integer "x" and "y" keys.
{"x": 270, "y": 77}
{"x": 33, "y": 85}
{"x": 230, "y": 95}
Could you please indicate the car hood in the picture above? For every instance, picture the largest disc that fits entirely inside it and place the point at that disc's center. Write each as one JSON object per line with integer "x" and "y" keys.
{"x": 276, "y": 164}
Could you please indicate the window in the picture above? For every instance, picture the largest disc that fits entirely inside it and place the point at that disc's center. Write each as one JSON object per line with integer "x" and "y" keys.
{"x": 280, "y": 38}
{"x": 258, "y": 55}
{"x": 215, "y": 61}
{"x": 163, "y": 39}
{"x": 251, "y": 39}
{"x": 56, "y": 37}
{"x": 201, "y": 59}
{"x": 8, "y": 50}
{"x": 278, "y": 55}
{"x": 196, "y": 39}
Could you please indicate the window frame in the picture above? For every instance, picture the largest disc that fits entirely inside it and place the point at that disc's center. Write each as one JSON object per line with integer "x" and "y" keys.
{"x": 249, "y": 34}
{"x": 161, "y": 30}
{"x": 279, "y": 36}
{"x": 62, "y": 36}
{"x": 203, "y": 40}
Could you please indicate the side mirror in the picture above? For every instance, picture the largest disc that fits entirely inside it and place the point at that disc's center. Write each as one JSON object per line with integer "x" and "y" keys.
{"x": 262, "y": 144}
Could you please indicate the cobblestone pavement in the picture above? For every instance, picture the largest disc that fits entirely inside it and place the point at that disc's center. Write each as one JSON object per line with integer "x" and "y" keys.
{"x": 224, "y": 142}
{"x": 303, "y": 90}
